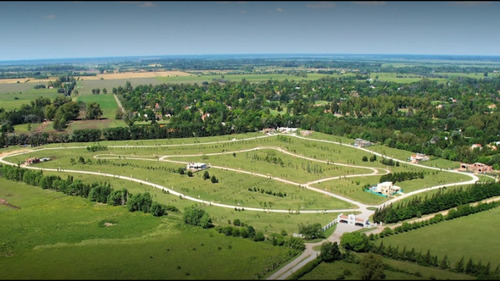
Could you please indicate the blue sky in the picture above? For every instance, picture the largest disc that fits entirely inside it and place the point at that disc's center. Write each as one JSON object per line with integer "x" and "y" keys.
{"x": 76, "y": 29}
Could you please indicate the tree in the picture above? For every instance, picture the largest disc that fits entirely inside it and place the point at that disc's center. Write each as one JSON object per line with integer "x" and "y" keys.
{"x": 194, "y": 215}
{"x": 158, "y": 209}
{"x": 214, "y": 179}
{"x": 354, "y": 241}
{"x": 93, "y": 111}
{"x": 190, "y": 173}
{"x": 330, "y": 252}
{"x": 206, "y": 221}
{"x": 311, "y": 231}
{"x": 206, "y": 176}
{"x": 372, "y": 267}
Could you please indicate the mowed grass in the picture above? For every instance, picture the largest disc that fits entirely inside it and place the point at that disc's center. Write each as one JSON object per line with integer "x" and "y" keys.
{"x": 400, "y": 271}
{"x": 232, "y": 187}
{"x": 473, "y": 236}
{"x": 267, "y": 222}
{"x": 54, "y": 236}
{"x": 276, "y": 164}
{"x": 106, "y": 101}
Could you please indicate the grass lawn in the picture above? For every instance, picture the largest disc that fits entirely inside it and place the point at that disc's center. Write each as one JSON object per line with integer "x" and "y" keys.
{"x": 54, "y": 236}
{"x": 471, "y": 237}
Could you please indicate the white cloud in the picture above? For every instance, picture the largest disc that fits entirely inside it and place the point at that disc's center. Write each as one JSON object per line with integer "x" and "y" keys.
{"x": 50, "y": 17}
{"x": 279, "y": 10}
{"x": 469, "y": 3}
{"x": 370, "y": 3}
{"x": 321, "y": 5}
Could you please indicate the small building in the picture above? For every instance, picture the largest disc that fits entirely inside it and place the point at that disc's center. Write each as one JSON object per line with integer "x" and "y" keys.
{"x": 196, "y": 166}
{"x": 306, "y": 133}
{"x": 386, "y": 188}
{"x": 416, "y": 158}
{"x": 362, "y": 143}
{"x": 353, "y": 220}
{"x": 477, "y": 168}
{"x": 476, "y": 145}
{"x": 269, "y": 130}
{"x": 33, "y": 160}
{"x": 287, "y": 130}
{"x": 44, "y": 159}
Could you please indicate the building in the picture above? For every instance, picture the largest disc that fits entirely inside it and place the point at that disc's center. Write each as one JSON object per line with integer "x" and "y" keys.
{"x": 306, "y": 133}
{"x": 287, "y": 130}
{"x": 386, "y": 188}
{"x": 353, "y": 220}
{"x": 362, "y": 143}
{"x": 415, "y": 158}
{"x": 30, "y": 161}
{"x": 477, "y": 168}
{"x": 476, "y": 145}
{"x": 196, "y": 166}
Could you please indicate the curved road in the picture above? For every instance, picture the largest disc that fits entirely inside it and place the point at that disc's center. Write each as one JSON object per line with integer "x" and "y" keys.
{"x": 309, "y": 254}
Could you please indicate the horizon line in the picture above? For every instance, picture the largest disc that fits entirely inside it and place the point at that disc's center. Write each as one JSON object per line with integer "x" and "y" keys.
{"x": 243, "y": 54}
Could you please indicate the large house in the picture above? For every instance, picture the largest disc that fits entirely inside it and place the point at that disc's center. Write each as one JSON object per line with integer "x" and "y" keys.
{"x": 362, "y": 143}
{"x": 386, "y": 188}
{"x": 196, "y": 166}
{"x": 415, "y": 158}
{"x": 477, "y": 168}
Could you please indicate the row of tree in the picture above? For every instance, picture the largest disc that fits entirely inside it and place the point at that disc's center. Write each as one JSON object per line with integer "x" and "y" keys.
{"x": 97, "y": 192}
{"x": 401, "y": 176}
{"x": 442, "y": 200}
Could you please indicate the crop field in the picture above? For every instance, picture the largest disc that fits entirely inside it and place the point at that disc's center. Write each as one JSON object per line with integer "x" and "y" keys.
{"x": 42, "y": 237}
{"x": 453, "y": 238}
{"x": 401, "y": 77}
{"x": 238, "y": 77}
{"x": 400, "y": 271}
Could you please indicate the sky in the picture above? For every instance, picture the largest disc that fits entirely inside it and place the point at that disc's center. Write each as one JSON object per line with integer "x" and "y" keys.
{"x": 80, "y": 29}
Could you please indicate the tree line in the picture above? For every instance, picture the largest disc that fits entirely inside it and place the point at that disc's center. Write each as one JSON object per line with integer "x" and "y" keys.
{"x": 442, "y": 200}
{"x": 96, "y": 192}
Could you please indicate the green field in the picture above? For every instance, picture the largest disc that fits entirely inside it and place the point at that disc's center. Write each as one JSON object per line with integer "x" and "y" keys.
{"x": 233, "y": 188}
{"x": 399, "y": 270}
{"x": 401, "y": 77}
{"x": 238, "y": 77}
{"x": 471, "y": 236}
{"x": 12, "y": 96}
{"x": 42, "y": 238}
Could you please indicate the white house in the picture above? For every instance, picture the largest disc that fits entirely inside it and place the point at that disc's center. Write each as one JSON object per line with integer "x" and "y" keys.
{"x": 353, "y": 220}
{"x": 287, "y": 130}
{"x": 386, "y": 188}
{"x": 196, "y": 166}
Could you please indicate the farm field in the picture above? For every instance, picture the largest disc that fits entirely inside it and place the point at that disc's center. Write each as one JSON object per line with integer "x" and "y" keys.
{"x": 470, "y": 237}
{"x": 50, "y": 229}
{"x": 401, "y": 77}
{"x": 13, "y": 96}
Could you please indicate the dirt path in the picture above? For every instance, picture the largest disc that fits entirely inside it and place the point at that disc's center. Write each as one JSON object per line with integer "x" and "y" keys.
{"x": 118, "y": 102}
{"x": 42, "y": 127}
{"x": 5, "y": 203}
